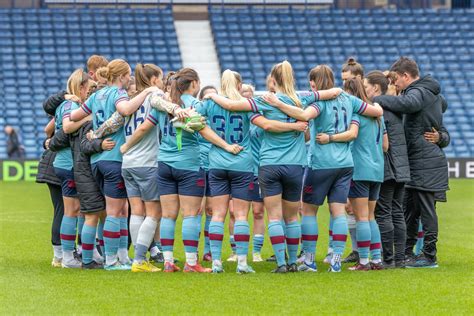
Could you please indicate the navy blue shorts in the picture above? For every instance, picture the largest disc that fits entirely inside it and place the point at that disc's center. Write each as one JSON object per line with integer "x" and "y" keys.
{"x": 254, "y": 191}
{"x": 365, "y": 189}
{"x": 284, "y": 180}
{"x": 235, "y": 183}
{"x": 333, "y": 183}
{"x": 207, "y": 190}
{"x": 108, "y": 175}
{"x": 182, "y": 182}
{"x": 68, "y": 185}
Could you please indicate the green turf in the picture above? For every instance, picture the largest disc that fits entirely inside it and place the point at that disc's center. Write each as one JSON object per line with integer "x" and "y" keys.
{"x": 29, "y": 285}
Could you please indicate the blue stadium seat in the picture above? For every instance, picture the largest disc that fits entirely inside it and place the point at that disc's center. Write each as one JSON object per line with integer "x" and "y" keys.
{"x": 43, "y": 47}
{"x": 442, "y": 41}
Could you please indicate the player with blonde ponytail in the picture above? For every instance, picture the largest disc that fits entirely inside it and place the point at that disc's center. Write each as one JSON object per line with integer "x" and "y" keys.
{"x": 228, "y": 174}
{"x": 282, "y": 157}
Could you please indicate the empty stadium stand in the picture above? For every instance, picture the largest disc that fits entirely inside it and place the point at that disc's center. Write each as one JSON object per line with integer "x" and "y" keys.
{"x": 250, "y": 40}
{"x": 41, "y": 47}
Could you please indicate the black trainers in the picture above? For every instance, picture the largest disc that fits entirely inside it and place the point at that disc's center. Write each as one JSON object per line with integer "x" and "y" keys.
{"x": 158, "y": 258}
{"x": 280, "y": 269}
{"x": 352, "y": 257}
{"x": 400, "y": 264}
{"x": 92, "y": 265}
{"x": 292, "y": 268}
{"x": 389, "y": 264}
{"x": 272, "y": 259}
{"x": 422, "y": 261}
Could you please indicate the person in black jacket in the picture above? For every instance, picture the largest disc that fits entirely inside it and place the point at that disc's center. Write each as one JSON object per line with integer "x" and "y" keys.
{"x": 92, "y": 201}
{"x": 47, "y": 175}
{"x": 14, "y": 147}
{"x": 389, "y": 210}
{"x": 422, "y": 104}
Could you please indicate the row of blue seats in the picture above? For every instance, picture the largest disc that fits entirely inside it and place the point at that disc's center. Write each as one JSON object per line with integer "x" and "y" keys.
{"x": 337, "y": 12}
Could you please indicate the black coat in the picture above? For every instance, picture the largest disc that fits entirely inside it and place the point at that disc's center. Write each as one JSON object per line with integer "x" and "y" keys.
{"x": 46, "y": 172}
{"x": 51, "y": 104}
{"x": 88, "y": 191}
{"x": 396, "y": 165}
{"x": 14, "y": 148}
{"x": 422, "y": 105}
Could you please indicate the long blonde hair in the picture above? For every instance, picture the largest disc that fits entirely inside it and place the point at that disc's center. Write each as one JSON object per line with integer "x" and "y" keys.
{"x": 76, "y": 81}
{"x": 282, "y": 73}
{"x": 229, "y": 84}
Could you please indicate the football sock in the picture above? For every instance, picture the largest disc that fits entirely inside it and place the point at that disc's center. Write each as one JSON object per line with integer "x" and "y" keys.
{"x": 144, "y": 238}
{"x": 363, "y": 233}
{"x": 309, "y": 237}
{"x": 242, "y": 237}
{"x": 216, "y": 235}
{"x": 88, "y": 241}
{"x": 375, "y": 242}
{"x": 339, "y": 234}
{"x": 68, "y": 236}
{"x": 293, "y": 236}
{"x": 135, "y": 223}
{"x": 207, "y": 247}
{"x": 258, "y": 243}
{"x": 111, "y": 239}
{"x": 123, "y": 243}
{"x": 351, "y": 222}
{"x": 232, "y": 243}
{"x": 190, "y": 235}
{"x": 277, "y": 238}
{"x": 167, "y": 227}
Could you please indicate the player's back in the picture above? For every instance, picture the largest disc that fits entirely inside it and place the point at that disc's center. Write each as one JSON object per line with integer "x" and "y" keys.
{"x": 145, "y": 152}
{"x": 367, "y": 150}
{"x": 334, "y": 117}
{"x": 103, "y": 104}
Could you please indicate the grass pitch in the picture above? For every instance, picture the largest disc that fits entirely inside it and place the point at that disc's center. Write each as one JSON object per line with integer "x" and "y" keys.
{"x": 29, "y": 285}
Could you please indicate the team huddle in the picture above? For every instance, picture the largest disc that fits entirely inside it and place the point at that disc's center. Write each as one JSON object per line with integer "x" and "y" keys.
{"x": 156, "y": 145}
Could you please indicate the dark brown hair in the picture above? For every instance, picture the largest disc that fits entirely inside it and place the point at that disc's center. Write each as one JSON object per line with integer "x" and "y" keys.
{"x": 144, "y": 73}
{"x": 167, "y": 80}
{"x": 201, "y": 94}
{"x": 377, "y": 77}
{"x": 180, "y": 82}
{"x": 353, "y": 67}
{"x": 322, "y": 76}
{"x": 406, "y": 65}
{"x": 355, "y": 86}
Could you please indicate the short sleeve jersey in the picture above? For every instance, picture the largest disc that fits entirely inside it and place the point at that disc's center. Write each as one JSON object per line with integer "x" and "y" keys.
{"x": 188, "y": 158}
{"x": 287, "y": 148}
{"x": 256, "y": 136}
{"x": 144, "y": 153}
{"x": 367, "y": 150}
{"x": 334, "y": 117}
{"x": 232, "y": 127}
{"x": 102, "y": 104}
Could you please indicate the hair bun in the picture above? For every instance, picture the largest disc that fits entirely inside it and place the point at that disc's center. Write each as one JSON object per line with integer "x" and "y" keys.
{"x": 351, "y": 61}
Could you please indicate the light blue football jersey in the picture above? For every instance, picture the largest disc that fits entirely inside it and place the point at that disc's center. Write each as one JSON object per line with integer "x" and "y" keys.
{"x": 334, "y": 117}
{"x": 188, "y": 158}
{"x": 232, "y": 127}
{"x": 256, "y": 136}
{"x": 102, "y": 104}
{"x": 367, "y": 150}
{"x": 287, "y": 148}
{"x": 63, "y": 157}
